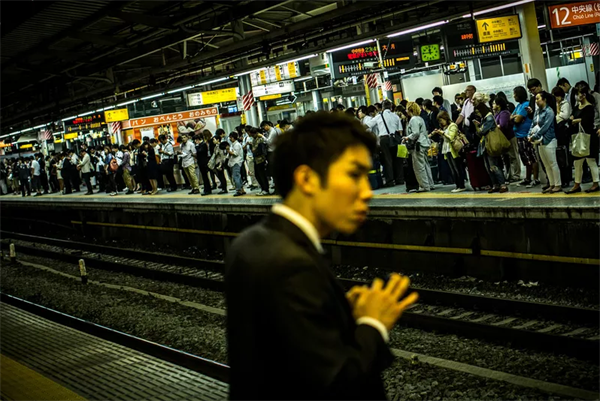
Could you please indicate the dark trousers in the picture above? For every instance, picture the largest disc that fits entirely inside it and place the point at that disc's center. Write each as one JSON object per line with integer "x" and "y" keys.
{"x": 54, "y": 184}
{"x": 167, "y": 170}
{"x": 244, "y": 172}
{"x": 75, "y": 181}
{"x": 270, "y": 164}
{"x": 204, "y": 173}
{"x": 67, "y": 181}
{"x": 565, "y": 164}
{"x": 456, "y": 169}
{"x": 87, "y": 178}
{"x": 101, "y": 180}
{"x": 112, "y": 182}
{"x": 24, "y": 185}
{"x": 260, "y": 171}
{"x": 44, "y": 179}
{"x": 222, "y": 180}
{"x": 393, "y": 169}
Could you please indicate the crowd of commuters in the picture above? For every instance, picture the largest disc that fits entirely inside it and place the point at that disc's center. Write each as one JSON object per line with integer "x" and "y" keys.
{"x": 241, "y": 159}
{"x": 419, "y": 144}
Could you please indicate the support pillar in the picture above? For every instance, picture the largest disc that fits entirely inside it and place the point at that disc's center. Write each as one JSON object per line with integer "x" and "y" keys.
{"x": 317, "y": 99}
{"x": 590, "y": 68}
{"x": 532, "y": 56}
{"x": 262, "y": 111}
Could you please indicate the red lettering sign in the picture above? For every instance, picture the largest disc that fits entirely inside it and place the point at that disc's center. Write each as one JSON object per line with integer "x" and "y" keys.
{"x": 566, "y": 15}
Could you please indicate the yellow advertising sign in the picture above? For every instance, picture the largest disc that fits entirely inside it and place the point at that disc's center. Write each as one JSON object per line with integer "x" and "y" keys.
{"x": 116, "y": 115}
{"x": 263, "y": 77}
{"x": 29, "y": 145}
{"x": 72, "y": 136}
{"x": 498, "y": 28}
{"x": 269, "y": 97}
{"x": 292, "y": 70}
{"x": 277, "y": 73}
{"x": 219, "y": 96}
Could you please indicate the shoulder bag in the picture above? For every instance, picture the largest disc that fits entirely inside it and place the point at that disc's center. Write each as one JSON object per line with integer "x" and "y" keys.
{"x": 580, "y": 143}
{"x": 394, "y": 137}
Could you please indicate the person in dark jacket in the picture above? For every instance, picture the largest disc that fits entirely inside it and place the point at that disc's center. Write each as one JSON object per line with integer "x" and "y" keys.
{"x": 292, "y": 331}
{"x": 202, "y": 158}
{"x": 24, "y": 175}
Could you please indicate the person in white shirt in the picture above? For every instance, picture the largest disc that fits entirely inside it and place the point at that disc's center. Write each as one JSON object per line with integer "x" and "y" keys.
{"x": 365, "y": 115}
{"x": 468, "y": 108}
{"x": 387, "y": 125}
{"x": 564, "y": 84}
{"x": 247, "y": 145}
{"x": 188, "y": 162}
{"x": 36, "y": 172}
{"x": 167, "y": 161}
{"x": 236, "y": 158}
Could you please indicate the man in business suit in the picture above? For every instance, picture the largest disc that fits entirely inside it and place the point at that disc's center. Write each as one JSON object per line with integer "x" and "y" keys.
{"x": 292, "y": 331}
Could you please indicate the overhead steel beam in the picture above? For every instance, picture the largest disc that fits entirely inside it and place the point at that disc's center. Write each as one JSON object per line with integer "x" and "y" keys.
{"x": 97, "y": 39}
{"x": 256, "y": 26}
{"x": 143, "y": 19}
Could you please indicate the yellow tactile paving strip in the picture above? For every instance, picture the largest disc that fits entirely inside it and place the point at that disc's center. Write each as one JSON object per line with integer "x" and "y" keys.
{"x": 18, "y": 382}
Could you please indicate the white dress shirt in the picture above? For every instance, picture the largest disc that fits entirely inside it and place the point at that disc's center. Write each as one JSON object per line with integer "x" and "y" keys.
{"x": 238, "y": 157}
{"x": 391, "y": 120}
{"x": 311, "y": 232}
{"x": 467, "y": 109}
{"x": 371, "y": 127}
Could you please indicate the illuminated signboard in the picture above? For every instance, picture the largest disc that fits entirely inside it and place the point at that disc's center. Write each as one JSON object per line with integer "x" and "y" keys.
{"x": 212, "y": 97}
{"x": 566, "y": 15}
{"x": 396, "y": 54}
{"x": 172, "y": 117}
{"x": 274, "y": 88}
{"x": 85, "y": 123}
{"x": 460, "y": 34}
{"x": 116, "y": 115}
{"x": 277, "y": 73}
{"x": 498, "y": 29}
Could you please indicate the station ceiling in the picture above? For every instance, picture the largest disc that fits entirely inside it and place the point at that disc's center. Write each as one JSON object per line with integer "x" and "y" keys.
{"x": 60, "y": 56}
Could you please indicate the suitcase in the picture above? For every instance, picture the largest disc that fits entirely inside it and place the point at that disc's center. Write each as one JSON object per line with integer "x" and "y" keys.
{"x": 375, "y": 178}
{"x": 478, "y": 175}
{"x": 410, "y": 179}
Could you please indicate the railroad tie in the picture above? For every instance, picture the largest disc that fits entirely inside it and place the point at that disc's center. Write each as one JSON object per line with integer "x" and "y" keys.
{"x": 550, "y": 328}
{"x": 482, "y": 319}
{"x": 527, "y": 325}
{"x": 595, "y": 338}
{"x": 446, "y": 312}
{"x": 462, "y": 315}
{"x": 505, "y": 321}
{"x": 576, "y": 332}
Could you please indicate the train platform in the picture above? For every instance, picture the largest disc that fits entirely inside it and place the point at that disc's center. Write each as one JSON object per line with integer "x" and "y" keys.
{"x": 519, "y": 202}
{"x": 44, "y": 360}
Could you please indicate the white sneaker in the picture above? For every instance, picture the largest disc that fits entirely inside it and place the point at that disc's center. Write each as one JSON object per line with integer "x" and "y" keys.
{"x": 113, "y": 194}
{"x": 457, "y": 190}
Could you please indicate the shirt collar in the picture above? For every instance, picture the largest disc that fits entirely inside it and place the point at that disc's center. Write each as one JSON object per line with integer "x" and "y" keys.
{"x": 299, "y": 221}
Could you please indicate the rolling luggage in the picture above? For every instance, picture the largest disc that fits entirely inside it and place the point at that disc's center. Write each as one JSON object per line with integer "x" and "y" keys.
{"x": 375, "y": 178}
{"x": 478, "y": 175}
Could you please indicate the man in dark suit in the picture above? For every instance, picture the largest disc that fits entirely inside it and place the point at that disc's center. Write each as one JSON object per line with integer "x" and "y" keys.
{"x": 292, "y": 331}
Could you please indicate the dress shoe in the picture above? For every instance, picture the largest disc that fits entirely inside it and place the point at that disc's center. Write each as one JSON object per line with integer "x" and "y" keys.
{"x": 589, "y": 191}
{"x": 573, "y": 191}
{"x": 222, "y": 192}
{"x": 194, "y": 192}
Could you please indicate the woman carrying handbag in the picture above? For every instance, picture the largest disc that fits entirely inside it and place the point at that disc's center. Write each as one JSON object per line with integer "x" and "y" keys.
{"x": 584, "y": 141}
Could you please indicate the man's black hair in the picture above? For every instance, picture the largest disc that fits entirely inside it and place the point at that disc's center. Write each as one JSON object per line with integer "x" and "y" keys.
{"x": 563, "y": 81}
{"x": 419, "y": 101}
{"x": 234, "y": 135}
{"x": 386, "y": 105}
{"x": 317, "y": 141}
{"x": 558, "y": 92}
{"x": 135, "y": 142}
{"x": 153, "y": 140}
{"x": 340, "y": 107}
{"x": 350, "y": 111}
{"x": 264, "y": 123}
{"x": 371, "y": 109}
{"x": 458, "y": 95}
{"x": 363, "y": 109}
{"x": 438, "y": 90}
{"x": 438, "y": 100}
{"x": 533, "y": 82}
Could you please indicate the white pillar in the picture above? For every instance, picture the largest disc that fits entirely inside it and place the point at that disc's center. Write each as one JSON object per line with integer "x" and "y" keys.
{"x": 532, "y": 56}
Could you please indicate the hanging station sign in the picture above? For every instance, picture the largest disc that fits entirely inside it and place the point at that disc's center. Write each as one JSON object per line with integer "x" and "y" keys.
{"x": 91, "y": 121}
{"x": 396, "y": 54}
{"x": 277, "y": 73}
{"x": 274, "y": 88}
{"x": 213, "y": 97}
{"x": 116, "y": 115}
{"x": 498, "y": 29}
{"x": 172, "y": 117}
{"x": 573, "y": 14}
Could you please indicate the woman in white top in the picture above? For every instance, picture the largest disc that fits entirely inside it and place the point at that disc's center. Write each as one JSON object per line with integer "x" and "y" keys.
{"x": 418, "y": 141}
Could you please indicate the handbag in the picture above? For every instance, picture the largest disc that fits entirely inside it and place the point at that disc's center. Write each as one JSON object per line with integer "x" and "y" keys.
{"x": 212, "y": 161}
{"x": 496, "y": 143}
{"x": 580, "y": 143}
{"x": 402, "y": 152}
{"x": 459, "y": 142}
{"x": 394, "y": 137}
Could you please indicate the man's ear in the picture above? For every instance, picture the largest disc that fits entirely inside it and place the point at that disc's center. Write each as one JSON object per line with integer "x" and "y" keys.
{"x": 306, "y": 180}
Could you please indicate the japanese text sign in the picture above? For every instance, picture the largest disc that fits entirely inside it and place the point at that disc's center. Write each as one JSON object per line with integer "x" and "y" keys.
{"x": 116, "y": 115}
{"x": 498, "y": 29}
{"x": 172, "y": 117}
{"x": 212, "y": 97}
{"x": 565, "y": 15}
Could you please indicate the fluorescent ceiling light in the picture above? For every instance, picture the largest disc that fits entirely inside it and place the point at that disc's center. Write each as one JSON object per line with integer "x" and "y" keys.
{"x": 302, "y": 79}
{"x": 246, "y": 73}
{"x": 489, "y": 10}
{"x": 181, "y": 89}
{"x": 541, "y": 26}
{"x": 87, "y": 114}
{"x": 39, "y": 126}
{"x": 129, "y": 102}
{"x": 26, "y": 129}
{"x": 298, "y": 59}
{"x": 12, "y": 133}
{"x": 69, "y": 118}
{"x": 419, "y": 28}
{"x": 216, "y": 80}
{"x": 152, "y": 96}
{"x": 106, "y": 108}
{"x": 349, "y": 46}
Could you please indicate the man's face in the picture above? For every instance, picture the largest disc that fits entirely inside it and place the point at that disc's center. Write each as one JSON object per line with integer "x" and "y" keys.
{"x": 436, "y": 94}
{"x": 470, "y": 91}
{"x": 565, "y": 87}
{"x": 184, "y": 138}
{"x": 534, "y": 90}
{"x": 343, "y": 204}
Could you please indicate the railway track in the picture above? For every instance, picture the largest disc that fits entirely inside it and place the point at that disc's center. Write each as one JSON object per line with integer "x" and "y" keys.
{"x": 539, "y": 326}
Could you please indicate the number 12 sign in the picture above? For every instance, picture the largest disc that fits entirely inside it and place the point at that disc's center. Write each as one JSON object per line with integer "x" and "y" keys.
{"x": 573, "y": 14}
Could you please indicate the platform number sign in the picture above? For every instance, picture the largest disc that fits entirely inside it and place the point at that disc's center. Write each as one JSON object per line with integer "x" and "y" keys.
{"x": 566, "y": 15}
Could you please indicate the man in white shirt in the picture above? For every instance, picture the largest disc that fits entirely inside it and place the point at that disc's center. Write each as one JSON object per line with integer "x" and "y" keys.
{"x": 565, "y": 85}
{"x": 167, "y": 161}
{"x": 36, "y": 172}
{"x": 282, "y": 298}
{"x": 388, "y": 125}
{"x": 468, "y": 107}
{"x": 236, "y": 158}
{"x": 188, "y": 162}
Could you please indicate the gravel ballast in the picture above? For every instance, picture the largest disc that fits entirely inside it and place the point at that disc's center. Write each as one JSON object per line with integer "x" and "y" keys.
{"x": 547, "y": 367}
